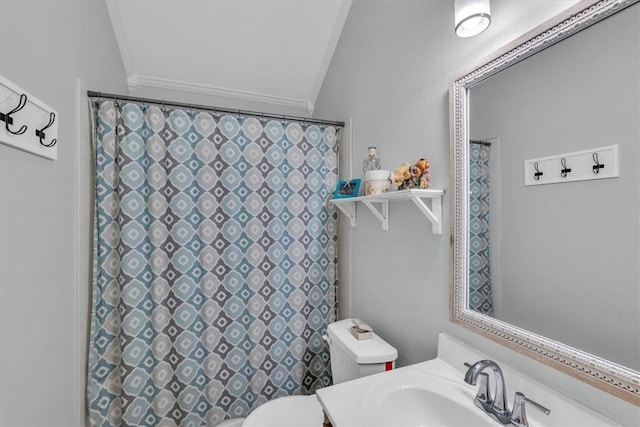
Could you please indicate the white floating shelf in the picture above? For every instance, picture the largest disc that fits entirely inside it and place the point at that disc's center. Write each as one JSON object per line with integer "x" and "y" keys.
{"x": 433, "y": 212}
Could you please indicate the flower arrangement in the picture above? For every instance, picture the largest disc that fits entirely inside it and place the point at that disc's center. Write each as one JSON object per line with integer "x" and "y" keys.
{"x": 409, "y": 176}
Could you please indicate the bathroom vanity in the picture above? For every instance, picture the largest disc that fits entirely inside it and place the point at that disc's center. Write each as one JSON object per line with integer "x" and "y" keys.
{"x": 554, "y": 312}
{"x": 434, "y": 393}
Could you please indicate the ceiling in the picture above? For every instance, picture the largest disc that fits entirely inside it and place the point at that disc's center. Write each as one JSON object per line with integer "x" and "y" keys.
{"x": 273, "y": 51}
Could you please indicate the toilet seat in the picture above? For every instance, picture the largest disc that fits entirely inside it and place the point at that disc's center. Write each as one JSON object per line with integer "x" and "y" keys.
{"x": 233, "y": 422}
{"x": 291, "y": 411}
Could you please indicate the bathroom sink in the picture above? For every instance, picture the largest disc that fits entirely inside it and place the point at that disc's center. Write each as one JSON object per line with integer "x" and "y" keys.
{"x": 416, "y": 399}
{"x": 433, "y": 393}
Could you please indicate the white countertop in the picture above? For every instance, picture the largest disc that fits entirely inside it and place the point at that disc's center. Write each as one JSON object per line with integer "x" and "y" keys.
{"x": 345, "y": 404}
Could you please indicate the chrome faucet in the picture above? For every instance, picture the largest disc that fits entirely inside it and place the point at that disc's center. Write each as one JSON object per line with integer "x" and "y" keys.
{"x": 497, "y": 407}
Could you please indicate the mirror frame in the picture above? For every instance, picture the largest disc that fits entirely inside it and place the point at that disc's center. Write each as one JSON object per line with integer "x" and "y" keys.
{"x": 613, "y": 378}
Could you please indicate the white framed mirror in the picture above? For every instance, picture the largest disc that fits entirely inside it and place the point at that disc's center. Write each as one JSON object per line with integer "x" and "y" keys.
{"x": 552, "y": 271}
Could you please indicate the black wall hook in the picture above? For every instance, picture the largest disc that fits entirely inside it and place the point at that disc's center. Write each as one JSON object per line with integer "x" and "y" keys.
{"x": 8, "y": 120}
{"x": 40, "y": 132}
{"x": 565, "y": 170}
{"x": 538, "y": 174}
{"x": 598, "y": 165}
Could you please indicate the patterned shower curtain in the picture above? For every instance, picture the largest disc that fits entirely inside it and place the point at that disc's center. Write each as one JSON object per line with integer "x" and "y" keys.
{"x": 480, "y": 293}
{"x": 214, "y": 264}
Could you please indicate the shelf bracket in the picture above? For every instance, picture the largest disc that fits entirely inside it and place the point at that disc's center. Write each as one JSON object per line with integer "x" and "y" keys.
{"x": 349, "y": 209}
{"x": 418, "y": 196}
{"x": 434, "y": 214}
{"x": 382, "y": 214}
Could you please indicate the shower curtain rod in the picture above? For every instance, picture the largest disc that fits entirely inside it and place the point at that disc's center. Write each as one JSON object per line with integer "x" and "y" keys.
{"x": 93, "y": 94}
{"x": 473, "y": 141}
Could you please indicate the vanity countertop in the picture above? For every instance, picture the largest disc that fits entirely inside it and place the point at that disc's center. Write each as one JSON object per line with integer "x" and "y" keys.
{"x": 345, "y": 404}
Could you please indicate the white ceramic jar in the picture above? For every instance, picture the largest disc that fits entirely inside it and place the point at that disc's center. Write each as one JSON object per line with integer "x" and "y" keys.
{"x": 377, "y": 182}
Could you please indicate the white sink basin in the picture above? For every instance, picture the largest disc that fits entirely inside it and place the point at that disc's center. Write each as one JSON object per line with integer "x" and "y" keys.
{"x": 433, "y": 393}
{"x": 412, "y": 399}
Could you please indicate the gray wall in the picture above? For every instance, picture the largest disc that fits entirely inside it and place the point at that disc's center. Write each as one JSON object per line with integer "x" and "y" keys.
{"x": 44, "y": 47}
{"x": 391, "y": 74}
{"x": 570, "y": 251}
{"x": 45, "y": 206}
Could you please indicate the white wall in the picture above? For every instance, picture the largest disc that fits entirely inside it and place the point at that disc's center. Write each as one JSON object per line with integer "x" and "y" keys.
{"x": 391, "y": 73}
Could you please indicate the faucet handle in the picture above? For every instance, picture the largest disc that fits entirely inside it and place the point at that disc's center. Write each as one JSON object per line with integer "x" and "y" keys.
{"x": 519, "y": 415}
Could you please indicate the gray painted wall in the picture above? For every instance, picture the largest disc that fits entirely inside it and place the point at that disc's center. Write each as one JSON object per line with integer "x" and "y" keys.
{"x": 391, "y": 74}
{"x": 45, "y": 206}
{"x": 570, "y": 251}
{"x": 44, "y": 47}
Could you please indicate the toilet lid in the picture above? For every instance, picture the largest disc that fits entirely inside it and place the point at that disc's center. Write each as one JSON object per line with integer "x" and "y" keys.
{"x": 298, "y": 411}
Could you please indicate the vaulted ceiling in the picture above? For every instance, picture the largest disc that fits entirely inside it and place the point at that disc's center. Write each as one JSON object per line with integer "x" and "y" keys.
{"x": 274, "y": 51}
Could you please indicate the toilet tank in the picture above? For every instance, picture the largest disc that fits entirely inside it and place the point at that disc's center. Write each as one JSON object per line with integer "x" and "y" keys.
{"x": 351, "y": 358}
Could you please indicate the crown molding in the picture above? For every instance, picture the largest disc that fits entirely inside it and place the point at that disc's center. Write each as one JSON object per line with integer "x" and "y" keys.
{"x": 303, "y": 101}
{"x": 136, "y": 81}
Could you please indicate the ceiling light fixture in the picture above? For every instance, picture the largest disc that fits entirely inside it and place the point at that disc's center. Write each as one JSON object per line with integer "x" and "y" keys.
{"x": 472, "y": 17}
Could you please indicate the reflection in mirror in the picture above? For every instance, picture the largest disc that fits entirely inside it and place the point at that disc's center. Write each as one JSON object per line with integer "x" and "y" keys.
{"x": 570, "y": 251}
{"x": 553, "y": 269}
{"x": 484, "y": 275}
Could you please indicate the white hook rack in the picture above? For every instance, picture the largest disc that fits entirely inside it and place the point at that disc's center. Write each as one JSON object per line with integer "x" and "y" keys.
{"x": 433, "y": 213}
{"x": 574, "y": 166}
{"x": 31, "y": 125}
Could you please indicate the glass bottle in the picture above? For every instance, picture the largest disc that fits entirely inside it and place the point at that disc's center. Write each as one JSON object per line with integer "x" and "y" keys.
{"x": 371, "y": 162}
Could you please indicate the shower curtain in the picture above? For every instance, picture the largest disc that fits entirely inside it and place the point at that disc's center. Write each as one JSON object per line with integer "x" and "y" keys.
{"x": 214, "y": 263}
{"x": 480, "y": 292}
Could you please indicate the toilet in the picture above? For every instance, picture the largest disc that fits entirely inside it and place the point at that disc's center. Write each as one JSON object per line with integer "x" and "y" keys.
{"x": 350, "y": 359}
